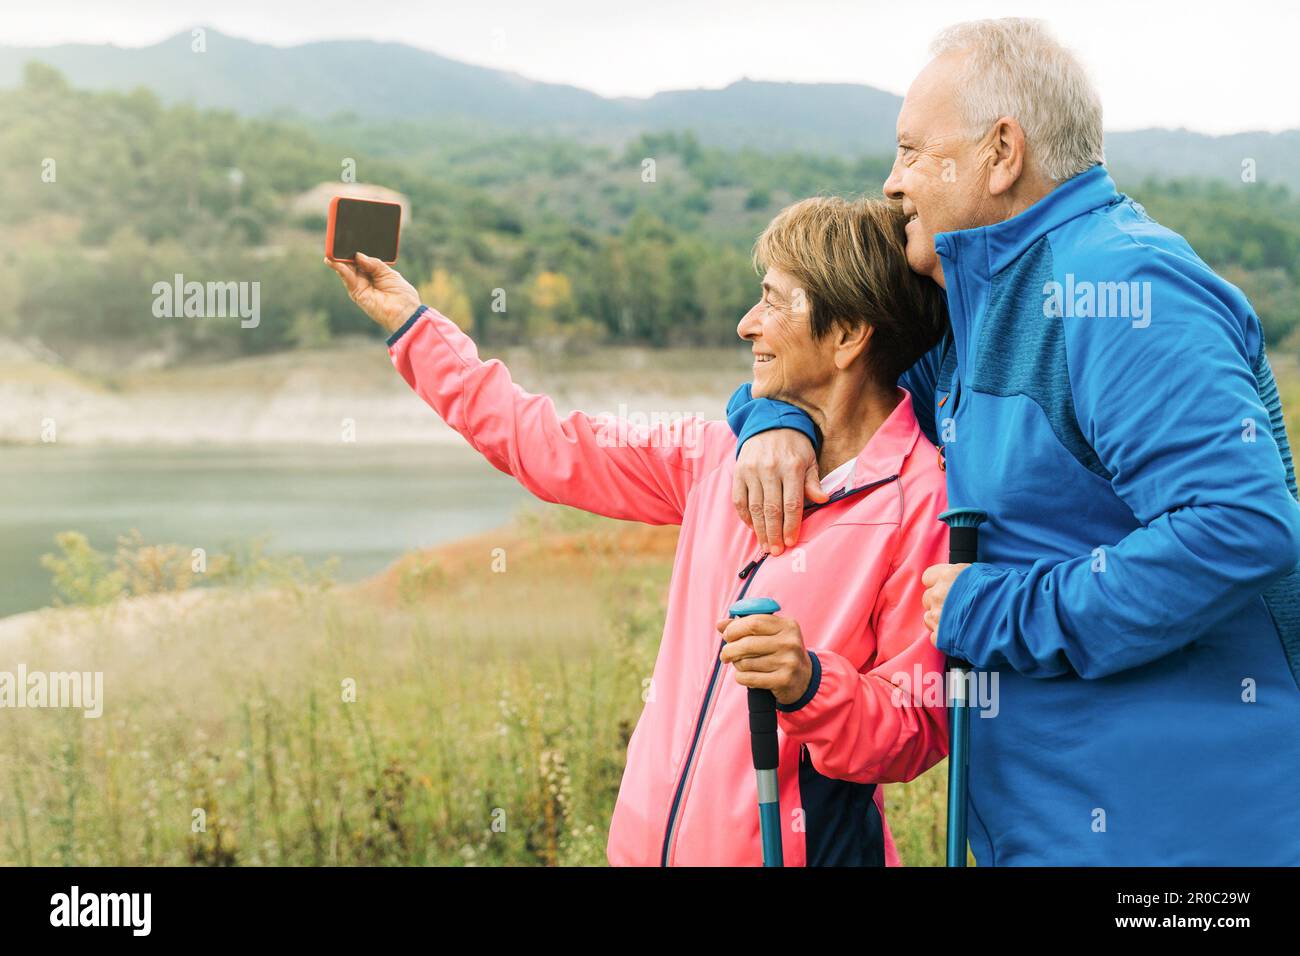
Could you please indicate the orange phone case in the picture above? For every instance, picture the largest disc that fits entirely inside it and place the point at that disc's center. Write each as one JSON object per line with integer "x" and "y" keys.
{"x": 333, "y": 216}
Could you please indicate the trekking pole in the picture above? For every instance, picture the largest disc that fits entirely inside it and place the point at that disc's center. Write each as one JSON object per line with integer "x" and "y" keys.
{"x": 963, "y": 548}
{"x": 762, "y": 744}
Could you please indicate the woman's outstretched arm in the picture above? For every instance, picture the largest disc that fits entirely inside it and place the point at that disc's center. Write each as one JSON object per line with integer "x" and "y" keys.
{"x": 605, "y": 465}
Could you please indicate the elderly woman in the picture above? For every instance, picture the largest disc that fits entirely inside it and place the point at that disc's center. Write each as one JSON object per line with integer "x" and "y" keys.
{"x": 848, "y": 657}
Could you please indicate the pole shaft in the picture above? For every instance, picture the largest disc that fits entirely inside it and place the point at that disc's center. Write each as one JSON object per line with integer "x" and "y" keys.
{"x": 958, "y": 761}
{"x": 769, "y": 818}
{"x": 765, "y": 751}
{"x": 963, "y": 548}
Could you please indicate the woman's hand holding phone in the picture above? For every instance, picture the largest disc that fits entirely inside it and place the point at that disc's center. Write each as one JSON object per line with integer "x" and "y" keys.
{"x": 378, "y": 289}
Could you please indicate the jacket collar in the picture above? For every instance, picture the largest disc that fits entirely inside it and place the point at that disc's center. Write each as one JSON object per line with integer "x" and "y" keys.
{"x": 889, "y": 447}
{"x": 993, "y": 248}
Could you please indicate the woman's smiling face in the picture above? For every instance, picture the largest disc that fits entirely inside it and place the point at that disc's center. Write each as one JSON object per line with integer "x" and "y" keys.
{"x": 787, "y": 361}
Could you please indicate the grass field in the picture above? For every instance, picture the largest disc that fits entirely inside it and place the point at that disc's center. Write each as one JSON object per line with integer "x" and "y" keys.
{"x": 491, "y": 714}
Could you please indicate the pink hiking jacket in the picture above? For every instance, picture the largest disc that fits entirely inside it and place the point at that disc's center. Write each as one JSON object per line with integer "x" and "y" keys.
{"x": 853, "y": 583}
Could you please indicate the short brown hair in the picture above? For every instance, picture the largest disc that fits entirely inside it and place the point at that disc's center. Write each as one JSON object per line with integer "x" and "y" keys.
{"x": 848, "y": 257}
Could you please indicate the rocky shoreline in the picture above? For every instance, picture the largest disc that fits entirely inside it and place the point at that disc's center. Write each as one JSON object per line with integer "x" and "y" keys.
{"x": 316, "y": 398}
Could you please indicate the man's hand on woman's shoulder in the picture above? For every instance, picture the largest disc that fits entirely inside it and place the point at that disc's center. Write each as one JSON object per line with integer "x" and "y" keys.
{"x": 775, "y": 471}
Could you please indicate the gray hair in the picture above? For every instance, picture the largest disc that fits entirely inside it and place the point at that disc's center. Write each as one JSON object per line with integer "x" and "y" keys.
{"x": 1015, "y": 67}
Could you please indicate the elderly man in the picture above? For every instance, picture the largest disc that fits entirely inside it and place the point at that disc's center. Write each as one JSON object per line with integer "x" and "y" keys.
{"x": 1106, "y": 399}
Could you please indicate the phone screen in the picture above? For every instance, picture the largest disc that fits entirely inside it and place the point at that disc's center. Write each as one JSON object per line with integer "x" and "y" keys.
{"x": 364, "y": 226}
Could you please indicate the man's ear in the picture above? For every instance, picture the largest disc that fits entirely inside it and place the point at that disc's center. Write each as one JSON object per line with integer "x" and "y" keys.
{"x": 1006, "y": 155}
{"x": 850, "y": 342}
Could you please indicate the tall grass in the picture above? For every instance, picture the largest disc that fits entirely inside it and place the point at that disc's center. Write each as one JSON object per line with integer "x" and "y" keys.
{"x": 450, "y": 714}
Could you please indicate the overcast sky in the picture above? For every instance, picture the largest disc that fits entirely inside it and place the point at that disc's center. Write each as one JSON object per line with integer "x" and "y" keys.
{"x": 1217, "y": 66}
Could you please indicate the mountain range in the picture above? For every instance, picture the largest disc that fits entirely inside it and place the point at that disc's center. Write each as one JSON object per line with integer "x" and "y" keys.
{"x": 381, "y": 80}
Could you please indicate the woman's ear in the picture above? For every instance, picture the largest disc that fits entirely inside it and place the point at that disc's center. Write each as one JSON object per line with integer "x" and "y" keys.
{"x": 850, "y": 343}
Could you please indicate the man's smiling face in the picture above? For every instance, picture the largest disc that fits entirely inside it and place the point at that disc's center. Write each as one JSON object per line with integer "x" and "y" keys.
{"x": 937, "y": 172}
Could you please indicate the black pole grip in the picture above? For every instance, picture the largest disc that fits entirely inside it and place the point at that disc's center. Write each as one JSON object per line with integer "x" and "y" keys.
{"x": 762, "y": 728}
{"x": 963, "y": 545}
{"x": 762, "y": 705}
{"x": 963, "y": 534}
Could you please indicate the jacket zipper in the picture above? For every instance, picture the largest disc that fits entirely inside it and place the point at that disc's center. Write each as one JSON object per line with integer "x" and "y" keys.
{"x": 961, "y": 325}
{"x": 746, "y": 574}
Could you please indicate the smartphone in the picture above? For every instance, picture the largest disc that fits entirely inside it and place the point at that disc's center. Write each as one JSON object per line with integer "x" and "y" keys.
{"x": 362, "y": 225}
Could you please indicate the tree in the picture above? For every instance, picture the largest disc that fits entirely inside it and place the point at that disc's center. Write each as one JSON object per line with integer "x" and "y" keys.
{"x": 444, "y": 292}
{"x": 551, "y": 295}
{"x": 42, "y": 78}
{"x": 553, "y": 319}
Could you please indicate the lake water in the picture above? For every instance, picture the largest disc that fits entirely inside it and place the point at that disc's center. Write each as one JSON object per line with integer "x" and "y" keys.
{"x": 363, "y": 504}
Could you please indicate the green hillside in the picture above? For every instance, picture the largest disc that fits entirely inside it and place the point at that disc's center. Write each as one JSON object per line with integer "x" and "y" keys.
{"x": 573, "y": 243}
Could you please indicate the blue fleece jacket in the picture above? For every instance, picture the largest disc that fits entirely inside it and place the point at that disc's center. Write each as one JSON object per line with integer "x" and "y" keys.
{"x": 1134, "y": 619}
